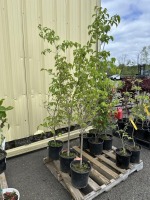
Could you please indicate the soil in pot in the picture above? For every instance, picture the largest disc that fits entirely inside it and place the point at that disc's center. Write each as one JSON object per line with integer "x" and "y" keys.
{"x": 2, "y": 161}
{"x": 135, "y": 150}
{"x": 96, "y": 146}
{"x": 79, "y": 174}
{"x": 123, "y": 160}
{"x": 65, "y": 160}
{"x": 107, "y": 145}
{"x": 54, "y": 148}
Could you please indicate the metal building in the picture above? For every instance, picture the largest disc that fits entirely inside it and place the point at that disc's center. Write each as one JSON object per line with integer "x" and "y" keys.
{"x": 22, "y": 83}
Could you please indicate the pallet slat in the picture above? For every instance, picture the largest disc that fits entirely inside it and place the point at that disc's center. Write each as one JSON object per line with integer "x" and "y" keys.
{"x": 110, "y": 154}
{"x": 110, "y": 163}
{"x": 93, "y": 184}
{"x": 3, "y": 182}
{"x": 98, "y": 177}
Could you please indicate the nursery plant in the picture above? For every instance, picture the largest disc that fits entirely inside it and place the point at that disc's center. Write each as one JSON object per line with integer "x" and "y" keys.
{"x": 3, "y": 123}
{"x": 93, "y": 65}
{"x": 91, "y": 68}
{"x": 54, "y": 120}
{"x": 99, "y": 32}
{"x": 123, "y": 155}
{"x": 63, "y": 82}
{"x": 3, "y": 120}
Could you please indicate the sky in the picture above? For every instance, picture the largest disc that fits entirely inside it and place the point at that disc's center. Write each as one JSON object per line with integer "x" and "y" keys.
{"x": 133, "y": 32}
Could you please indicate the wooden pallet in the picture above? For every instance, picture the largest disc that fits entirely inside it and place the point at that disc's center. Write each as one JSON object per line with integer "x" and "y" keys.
{"x": 3, "y": 182}
{"x": 104, "y": 174}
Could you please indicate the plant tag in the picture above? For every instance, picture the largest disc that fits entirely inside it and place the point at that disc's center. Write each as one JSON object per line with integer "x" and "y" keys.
{"x": 132, "y": 122}
{"x": 78, "y": 158}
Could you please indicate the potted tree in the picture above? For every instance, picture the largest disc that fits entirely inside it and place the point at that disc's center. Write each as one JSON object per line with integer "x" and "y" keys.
{"x": 63, "y": 87}
{"x": 123, "y": 155}
{"x": 100, "y": 66}
{"x": 55, "y": 117}
{"x": 104, "y": 121}
{"x": 90, "y": 71}
{"x": 51, "y": 122}
{"x": 86, "y": 98}
{"x": 3, "y": 122}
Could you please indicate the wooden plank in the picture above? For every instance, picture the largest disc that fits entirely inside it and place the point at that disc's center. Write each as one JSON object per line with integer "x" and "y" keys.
{"x": 53, "y": 170}
{"x": 77, "y": 195}
{"x": 3, "y": 182}
{"x": 64, "y": 179}
{"x": 93, "y": 185}
{"x": 110, "y": 154}
{"x": 105, "y": 170}
{"x": 41, "y": 144}
{"x": 100, "y": 179}
{"x": 110, "y": 163}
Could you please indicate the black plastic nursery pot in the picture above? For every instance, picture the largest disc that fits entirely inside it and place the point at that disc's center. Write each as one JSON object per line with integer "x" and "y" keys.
{"x": 79, "y": 177}
{"x": 130, "y": 130}
{"x": 65, "y": 160}
{"x": 86, "y": 137}
{"x": 121, "y": 122}
{"x": 96, "y": 146}
{"x": 135, "y": 157}
{"x": 2, "y": 161}
{"x": 122, "y": 160}
{"x": 54, "y": 149}
{"x": 143, "y": 134}
{"x": 147, "y": 134}
{"x": 107, "y": 145}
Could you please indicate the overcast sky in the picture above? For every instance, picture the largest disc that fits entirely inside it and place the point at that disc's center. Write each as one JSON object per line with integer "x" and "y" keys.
{"x": 133, "y": 32}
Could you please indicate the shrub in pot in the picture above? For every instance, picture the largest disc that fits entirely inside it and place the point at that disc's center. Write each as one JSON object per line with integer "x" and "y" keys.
{"x": 3, "y": 123}
{"x": 123, "y": 155}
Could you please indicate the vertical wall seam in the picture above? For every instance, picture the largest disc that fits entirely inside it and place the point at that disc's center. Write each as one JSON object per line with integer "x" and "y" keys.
{"x": 24, "y": 62}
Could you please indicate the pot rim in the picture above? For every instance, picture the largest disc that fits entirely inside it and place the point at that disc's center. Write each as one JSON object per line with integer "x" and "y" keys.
{"x": 118, "y": 152}
{"x": 78, "y": 161}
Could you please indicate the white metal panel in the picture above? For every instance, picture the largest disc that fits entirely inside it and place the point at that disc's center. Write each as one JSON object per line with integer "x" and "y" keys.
{"x": 22, "y": 83}
{"x": 12, "y": 81}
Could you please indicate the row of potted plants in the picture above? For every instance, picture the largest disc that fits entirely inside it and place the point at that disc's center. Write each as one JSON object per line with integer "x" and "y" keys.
{"x": 135, "y": 104}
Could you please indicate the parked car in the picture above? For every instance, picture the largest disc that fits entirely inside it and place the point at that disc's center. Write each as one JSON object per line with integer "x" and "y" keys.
{"x": 115, "y": 77}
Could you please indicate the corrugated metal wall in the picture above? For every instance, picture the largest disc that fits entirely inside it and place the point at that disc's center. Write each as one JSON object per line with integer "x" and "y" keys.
{"x": 22, "y": 83}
